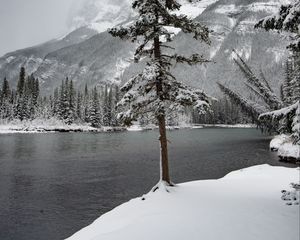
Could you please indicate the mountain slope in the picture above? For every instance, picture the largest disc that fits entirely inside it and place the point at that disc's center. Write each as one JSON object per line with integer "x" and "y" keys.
{"x": 31, "y": 58}
{"x": 94, "y": 57}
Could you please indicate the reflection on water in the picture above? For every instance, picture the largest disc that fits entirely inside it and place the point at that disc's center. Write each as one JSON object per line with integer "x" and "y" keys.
{"x": 52, "y": 185}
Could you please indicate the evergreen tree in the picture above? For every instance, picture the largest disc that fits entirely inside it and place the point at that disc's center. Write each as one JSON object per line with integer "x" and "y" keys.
{"x": 21, "y": 82}
{"x": 114, "y": 106}
{"x": 71, "y": 104}
{"x": 295, "y": 83}
{"x": 5, "y": 110}
{"x": 286, "y": 120}
{"x": 258, "y": 86}
{"x": 56, "y": 103}
{"x": 5, "y": 89}
{"x": 287, "y": 20}
{"x": 107, "y": 106}
{"x": 64, "y": 101}
{"x": 252, "y": 109}
{"x": 86, "y": 116}
{"x": 20, "y": 108}
{"x": 296, "y": 125}
{"x": 94, "y": 115}
{"x": 287, "y": 86}
{"x": 79, "y": 106}
{"x": 156, "y": 89}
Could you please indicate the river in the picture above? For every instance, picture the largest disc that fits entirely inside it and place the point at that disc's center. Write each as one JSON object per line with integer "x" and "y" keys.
{"x": 52, "y": 185}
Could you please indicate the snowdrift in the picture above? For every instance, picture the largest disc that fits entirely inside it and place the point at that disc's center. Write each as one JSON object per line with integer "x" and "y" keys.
{"x": 245, "y": 204}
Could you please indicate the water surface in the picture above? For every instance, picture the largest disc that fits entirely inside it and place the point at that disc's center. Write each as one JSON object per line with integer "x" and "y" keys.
{"x": 52, "y": 185}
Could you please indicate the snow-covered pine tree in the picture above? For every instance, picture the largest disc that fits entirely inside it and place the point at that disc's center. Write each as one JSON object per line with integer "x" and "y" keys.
{"x": 79, "y": 106}
{"x": 105, "y": 106}
{"x": 86, "y": 101}
{"x": 64, "y": 100}
{"x": 296, "y": 125}
{"x": 94, "y": 113}
{"x": 156, "y": 90}
{"x": 251, "y": 108}
{"x": 295, "y": 83}
{"x": 5, "y": 111}
{"x": 288, "y": 115}
{"x": 109, "y": 106}
{"x": 288, "y": 20}
{"x": 20, "y": 105}
{"x": 116, "y": 99}
{"x": 72, "y": 104}
{"x": 56, "y": 103}
{"x": 287, "y": 90}
{"x": 259, "y": 87}
{"x": 21, "y": 82}
{"x": 35, "y": 91}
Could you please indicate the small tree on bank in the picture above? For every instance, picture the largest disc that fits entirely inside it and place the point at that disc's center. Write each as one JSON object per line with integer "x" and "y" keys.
{"x": 156, "y": 91}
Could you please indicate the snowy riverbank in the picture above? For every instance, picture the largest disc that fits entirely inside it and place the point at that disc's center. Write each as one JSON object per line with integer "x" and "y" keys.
{"x": 50, "y": 125}
{"x": 287, "y": 151}
{"x": 54, "y": 125}
{"x": 247, "y": 204}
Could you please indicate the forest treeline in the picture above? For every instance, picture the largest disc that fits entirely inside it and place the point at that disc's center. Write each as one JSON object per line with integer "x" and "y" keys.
{"x": 95, "y": 106}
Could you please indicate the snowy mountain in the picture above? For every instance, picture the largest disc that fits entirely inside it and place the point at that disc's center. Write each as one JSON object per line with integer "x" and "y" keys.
{"x": 233, "y": 24}
{"x": 88, "y": 54}
{"x": 101, "y": 14}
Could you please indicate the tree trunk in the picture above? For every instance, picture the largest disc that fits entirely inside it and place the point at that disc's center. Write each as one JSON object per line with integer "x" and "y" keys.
{"x": 162, "y": 122}
{"x": 164, "y": 150}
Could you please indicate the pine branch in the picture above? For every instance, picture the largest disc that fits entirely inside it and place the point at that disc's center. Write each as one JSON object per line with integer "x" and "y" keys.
{"x": 192, "y": 60}
{"x": 265, "y": 81}
{"x": 258, "y": 94}
{"x": 268, "y": 95}
{"x": 252, "y": 109}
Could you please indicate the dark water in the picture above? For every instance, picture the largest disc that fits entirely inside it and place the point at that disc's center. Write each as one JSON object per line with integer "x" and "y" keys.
{"x": 52, "y": 185}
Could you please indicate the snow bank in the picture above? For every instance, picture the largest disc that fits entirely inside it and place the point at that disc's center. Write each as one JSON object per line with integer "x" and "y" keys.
{"x": 277, "y": 141}
{"x": 135, "y": 128}
{"x": 245, "y": 204}
{"x": 230, "y": 125}
{"x": 289, "y": 150}
{"x": 49, "y": 125}
{"x": 286, "y": 149}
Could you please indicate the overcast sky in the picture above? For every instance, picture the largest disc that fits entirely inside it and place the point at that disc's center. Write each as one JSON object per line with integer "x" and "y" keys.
{"x": 25, "y": 23}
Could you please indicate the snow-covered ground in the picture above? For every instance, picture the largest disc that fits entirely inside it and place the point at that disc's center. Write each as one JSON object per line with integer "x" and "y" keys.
{"x": 230, "y": 125}
{"x": 256, "y": 203}
{"x": 54, "y": 125}
{"x": 49, "y": 125}
{"x": 289, "y": 150}
{"x": 277, "y": 141}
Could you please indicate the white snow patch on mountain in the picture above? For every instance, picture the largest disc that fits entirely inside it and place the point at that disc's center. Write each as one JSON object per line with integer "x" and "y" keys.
{"x": 194, "y": 9}
{"x": 100, "y": 15}
{"x": 10, "y": 59}
{"x": 121, "y": 65}
{"x": 225, "y": 9}
{"x": 270, "y": 7}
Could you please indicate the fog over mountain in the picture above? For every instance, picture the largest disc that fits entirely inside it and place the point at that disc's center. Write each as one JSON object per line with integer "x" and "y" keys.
{"x": 30, "y": 22}
{"x": 88, "y": 54}
{"x": 99, "y": 14}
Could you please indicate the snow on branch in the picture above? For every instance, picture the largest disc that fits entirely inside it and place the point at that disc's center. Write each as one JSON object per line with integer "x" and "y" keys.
{"x": 288, "y": 20}
{"x": 258, "y": 86}
{"x": 247, "y": 106}
{"x": 281, "y": 112}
